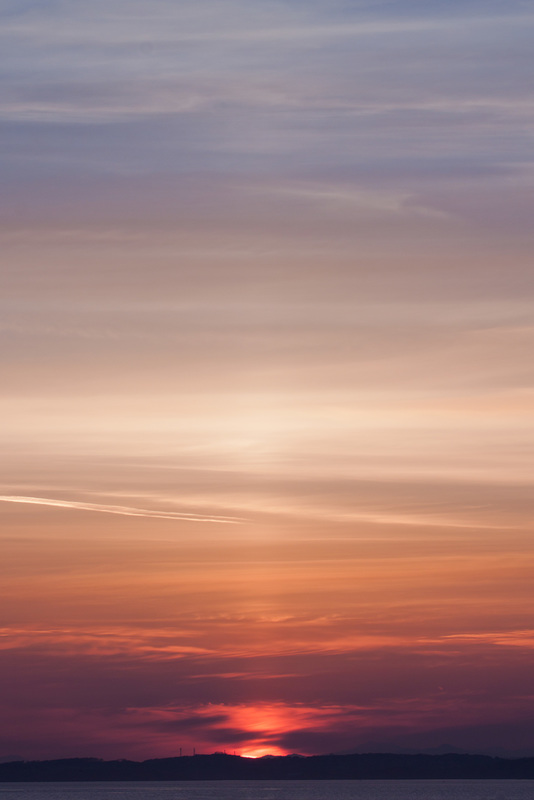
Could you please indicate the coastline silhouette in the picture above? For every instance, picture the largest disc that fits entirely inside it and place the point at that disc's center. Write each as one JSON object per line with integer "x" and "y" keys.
{"x": 220, "y": 766}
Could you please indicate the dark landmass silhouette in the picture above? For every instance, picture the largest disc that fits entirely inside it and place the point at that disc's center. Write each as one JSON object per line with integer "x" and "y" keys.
{"x": 220, "y": 766}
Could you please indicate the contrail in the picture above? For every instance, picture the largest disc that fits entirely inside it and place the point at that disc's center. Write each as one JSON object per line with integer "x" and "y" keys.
{"x": 125, "y": 511}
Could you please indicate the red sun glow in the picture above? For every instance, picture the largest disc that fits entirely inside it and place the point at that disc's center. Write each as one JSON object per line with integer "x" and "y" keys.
{"x": 259, "y": 752}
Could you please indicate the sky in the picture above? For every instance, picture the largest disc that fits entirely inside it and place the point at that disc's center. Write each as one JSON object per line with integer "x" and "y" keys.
{"x": 267, "y": 382}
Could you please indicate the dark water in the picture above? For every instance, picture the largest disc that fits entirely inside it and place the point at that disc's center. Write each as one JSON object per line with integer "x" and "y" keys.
{"x": 273, "y": 790}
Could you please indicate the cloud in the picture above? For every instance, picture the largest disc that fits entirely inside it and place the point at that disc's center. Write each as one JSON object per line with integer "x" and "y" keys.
{"x": 125, "y": 511}
{"x": 162, "y": 27}
{"x": 522, "y": 638}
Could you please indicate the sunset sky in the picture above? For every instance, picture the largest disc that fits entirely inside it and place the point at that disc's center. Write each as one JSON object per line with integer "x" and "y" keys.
{"x": 267, "y": 328}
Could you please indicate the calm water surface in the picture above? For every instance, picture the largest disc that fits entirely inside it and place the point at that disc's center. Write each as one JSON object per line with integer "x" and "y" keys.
{"x": 273, "y": 790}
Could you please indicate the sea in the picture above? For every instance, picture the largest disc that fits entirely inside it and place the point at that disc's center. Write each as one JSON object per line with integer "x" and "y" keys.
{"x": 274, "y": 790}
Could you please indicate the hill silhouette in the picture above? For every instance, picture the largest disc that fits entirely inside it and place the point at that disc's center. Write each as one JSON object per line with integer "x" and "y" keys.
{"x": 219, "y": 766}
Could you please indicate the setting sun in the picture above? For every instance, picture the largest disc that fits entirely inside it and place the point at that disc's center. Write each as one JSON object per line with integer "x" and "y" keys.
{"x": 261, "y": 752}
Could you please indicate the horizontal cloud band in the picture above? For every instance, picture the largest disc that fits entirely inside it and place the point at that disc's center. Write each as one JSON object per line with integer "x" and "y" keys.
{"x": 125, "y": 511}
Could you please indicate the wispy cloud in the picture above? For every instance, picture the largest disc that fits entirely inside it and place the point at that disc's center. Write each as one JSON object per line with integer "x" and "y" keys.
{"x": 168, "y": 27}
{"x": 125, "y": 511}
{"x": 523, "y": 638}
